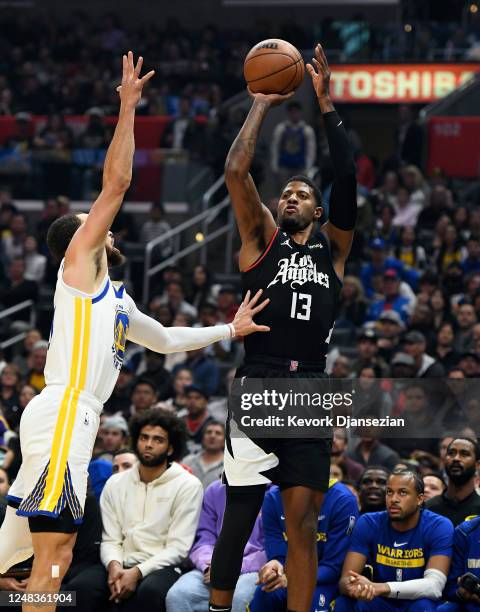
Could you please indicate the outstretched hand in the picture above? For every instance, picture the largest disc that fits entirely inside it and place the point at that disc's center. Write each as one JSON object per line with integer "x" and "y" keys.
{"x": 131, "y": 88}
{"x": 320, "y": 76}
{"x": 243, "y": 321}
{"x": 271, "y": 99}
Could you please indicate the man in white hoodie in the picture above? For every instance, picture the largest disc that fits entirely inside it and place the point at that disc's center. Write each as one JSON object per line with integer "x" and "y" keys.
{"x": 150, "y": 514}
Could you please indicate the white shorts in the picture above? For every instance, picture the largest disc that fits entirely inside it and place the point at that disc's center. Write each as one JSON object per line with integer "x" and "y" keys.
{"x": 57, "y": 435}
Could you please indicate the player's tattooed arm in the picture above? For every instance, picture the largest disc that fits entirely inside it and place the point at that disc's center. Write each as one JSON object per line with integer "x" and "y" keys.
{"x": 255, "y": 222}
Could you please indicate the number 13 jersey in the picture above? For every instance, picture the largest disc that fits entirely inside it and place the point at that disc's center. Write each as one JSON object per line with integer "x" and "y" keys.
{"x": 304, "y": 293}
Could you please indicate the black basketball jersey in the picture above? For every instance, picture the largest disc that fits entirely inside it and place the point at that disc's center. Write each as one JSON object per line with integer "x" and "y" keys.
{"x": 304, "y": 293}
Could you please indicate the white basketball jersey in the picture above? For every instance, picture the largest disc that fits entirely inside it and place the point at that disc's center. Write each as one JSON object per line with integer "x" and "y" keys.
{"x": 87, "y": 338}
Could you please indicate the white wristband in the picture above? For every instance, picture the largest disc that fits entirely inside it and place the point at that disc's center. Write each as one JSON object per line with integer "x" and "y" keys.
{"x": 233, "y": 333}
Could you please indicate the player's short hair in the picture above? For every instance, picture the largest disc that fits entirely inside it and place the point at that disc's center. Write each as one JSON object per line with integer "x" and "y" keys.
{"x": 301, "y": 178}
{"x": 60, "y": 233}
{"x": 474, "y": 443}
{"x": 417, "y": 479}
{"x": 156, "y": 417}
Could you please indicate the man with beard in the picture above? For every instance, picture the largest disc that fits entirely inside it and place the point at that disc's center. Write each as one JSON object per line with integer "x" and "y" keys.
{"x": 372, "y": 486}
{"x": 300, "y": 265}
{"x": 93, "y": 319}
{"x": 150, "y": 514}
{"x": 460, "y": 500}
{"x": 408, "y": 548}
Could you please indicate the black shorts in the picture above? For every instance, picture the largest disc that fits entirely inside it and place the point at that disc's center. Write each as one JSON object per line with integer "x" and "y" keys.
{"x": 284, "y": 461}
{"x": 64, "y": 523}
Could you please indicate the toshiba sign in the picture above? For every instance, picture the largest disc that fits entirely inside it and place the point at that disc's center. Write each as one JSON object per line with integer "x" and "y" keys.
{"x": 397, "y": 83}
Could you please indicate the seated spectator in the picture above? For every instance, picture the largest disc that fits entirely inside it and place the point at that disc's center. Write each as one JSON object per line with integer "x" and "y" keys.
{"x": 370, "y": 451}
{"x": 433, "y": 485}
{"x": 466, "y": 540}
{"x": 389, "y": 335}
{"x": 119, "y": 401}
{"x": 412, "y": 572}
{"x": 339, "y": 454}
{"x": 18, "y": 289}
{"x": 444, "y": 351}
{"x": 13, "y": 241}
{"x": 353, "y": 305}
{"x": 223, "y": 350}
{"x": 206, "y": 373}
{"x": 22, "y": 359}
{"x": 408, "y": 251}
{"x": 202, "y": 290}
{"x": 403, "y": 366}
{"x": 35, "y": 262}
{"x": 427, "y": 366}
{"x": 341, "y": 367}
{"x": 197, "y": 417}
{"x": 155, "y": 227}
{"x": 9, "y": 395}
{"x": 469, "y": 362}
{"x": 152, "y": 366}
{"x": 123, "y": 460}
{"x": 227, "y": 303}
{"x": 191, "y": 592}
{"x": 440, "y": 306}
{"x": 183, "y": 132}
{"x": 183, "y": 378}
{"x": 466, "y": 318}
{"x": 207, "y": 465}
{"x": 174, "y": 298}
{"x": 143, "y": 396}
{"x": 337, "y": 516}
{"x": 384, "y": 227}
{"x": 460, "y": 500}
{"x": 372, "y": 486}
{"x": 115, "y": 434}
{"x": 450, "y": 249}
{"x": 367, "y": 350}
{"x": 393, "y": 299}
{"x": 407, "y": 211}
{"x": 149, "y": 513}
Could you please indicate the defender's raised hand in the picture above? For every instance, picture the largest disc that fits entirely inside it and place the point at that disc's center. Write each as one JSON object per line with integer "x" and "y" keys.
{"x": 320, "y": 76}
{"x": 131, "y": 88}
{"x": 243, "y": 321}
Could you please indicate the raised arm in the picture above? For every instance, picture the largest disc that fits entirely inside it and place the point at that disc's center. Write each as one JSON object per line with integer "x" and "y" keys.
{"x": 86, "y": 255}
{"x": 151, "y": 334}
{"x": 255, "y": 222}
{"x": 343, "y": 197}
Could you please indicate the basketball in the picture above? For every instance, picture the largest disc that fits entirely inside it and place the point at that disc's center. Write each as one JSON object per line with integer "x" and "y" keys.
{"x": 273, "y": 66}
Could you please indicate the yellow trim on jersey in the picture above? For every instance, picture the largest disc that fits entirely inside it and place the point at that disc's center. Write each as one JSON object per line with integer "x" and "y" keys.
{"x": 68, "y": 409}
{"x": 396, "y": 562}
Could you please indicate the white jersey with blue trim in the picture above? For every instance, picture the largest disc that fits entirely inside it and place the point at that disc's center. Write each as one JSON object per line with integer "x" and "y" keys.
{"x": 87, "y": 338}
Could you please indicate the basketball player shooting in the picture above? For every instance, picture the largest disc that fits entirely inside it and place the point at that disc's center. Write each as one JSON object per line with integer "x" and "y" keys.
{"x": 273, "y": 255}
{"x": 93, "y": 318}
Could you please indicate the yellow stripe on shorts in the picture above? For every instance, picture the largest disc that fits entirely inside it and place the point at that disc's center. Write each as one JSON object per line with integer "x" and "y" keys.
{"x": 66, "y": 418}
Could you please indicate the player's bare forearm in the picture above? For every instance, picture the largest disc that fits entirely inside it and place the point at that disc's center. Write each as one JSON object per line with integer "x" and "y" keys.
{"x": 117, "y": 171}
{"x": 326, "y": 104}
{"x": 242, "y": 151}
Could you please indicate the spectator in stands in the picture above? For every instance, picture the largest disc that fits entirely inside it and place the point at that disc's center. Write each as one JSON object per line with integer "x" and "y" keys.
{"x": 450, "y": 250}
{"x": 155, "y": 227}
{"x": 337, "y": 516}
{"x": 391, "y": 328}
{"x": 175, "y": 299}
{"x": 469, "y": 362}
{"x": 412, "y": 572}
{"x": 152, "y": 366}
{"x": 143, "y": 396}
{"x": 293, "y": 147}
{"x": 385, "y": 228}
{"x": 227, "y": 303}
{"x": 119, "y": 401}
{"x": 370, "y": 451}
{"x": 123, "y": 459}
{"x": 353, "y": 305}
{"x": 460, "y": 500}
{"x": 406, "y": 215}
{"x": 339, "y": 455}
{"x": 18, "y": 288}
{"x": 440, "y": 204}
{"x": 466, "y": 319}
{"x": 14, "y": 240}
{"x": 372, "y": 487}
{"x": 115, "y": 436}
{"x": 183, "y": 132}
{"x": 35, "y": 376}
{"x": 367, "y": 351}
{"x": 191, "y": 592}
{"x": 35, "y": 262}
{"x": 202, "y": 291}
{"x": 408, "y": 251}
{"x": 197, "y": 418}
{"x": 444, "y": 352}
{"x": 427, "y": 367}
{"x": 466, "y": 540}
{"x": 223, "y": 350}
{"x": 207, "y": 464}
{"x": 471, "y": 262}
{"x": 393, "y": 299}
{"x": 94, "y": 136}
{"x": 144, "y": 540}
{"x": 433, "y": 485}
{"x": 440, "y": 306}
{"x": 206, "y": 373}
{"x": 341, "y": 367}
{"x": 9, "y": 395}
{"x": 183, "y": 378}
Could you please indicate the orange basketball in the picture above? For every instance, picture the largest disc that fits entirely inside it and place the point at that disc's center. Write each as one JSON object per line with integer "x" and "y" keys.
{"x": 273, "y": 66}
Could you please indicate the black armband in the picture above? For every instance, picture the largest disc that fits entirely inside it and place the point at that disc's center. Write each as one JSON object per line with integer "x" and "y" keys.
{"x": 343, "y": 197}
